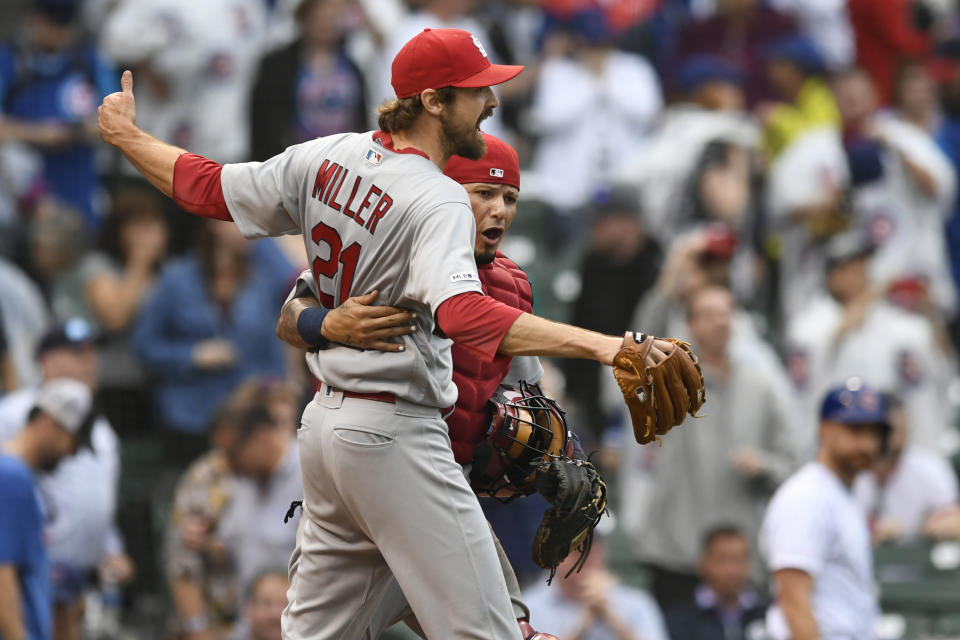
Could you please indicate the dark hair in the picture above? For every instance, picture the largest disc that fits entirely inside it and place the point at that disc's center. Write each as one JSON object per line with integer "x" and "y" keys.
{"x": 399, "y": 114}
{"x": 206, "y": 250}
{"x": 131, "y": 203}
{"x": 246, "y": 421}
{"x": 34, "y": 412}
{"x": 305, "y": 8}
{"x": 725, "y": 530}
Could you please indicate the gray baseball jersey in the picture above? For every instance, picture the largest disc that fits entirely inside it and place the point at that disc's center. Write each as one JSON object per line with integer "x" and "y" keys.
{"x": 371, "y": 218}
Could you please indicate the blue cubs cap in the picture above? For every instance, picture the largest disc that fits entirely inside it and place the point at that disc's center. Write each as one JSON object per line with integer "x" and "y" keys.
{"x": 75, "y": 332}
{"x": 697, "y": 71}
{"x": 797, "y": 50}
{"x": 854, "y": 403}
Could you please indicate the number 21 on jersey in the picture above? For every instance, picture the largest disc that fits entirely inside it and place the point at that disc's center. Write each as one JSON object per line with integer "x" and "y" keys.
{"x": 325, "y": 234}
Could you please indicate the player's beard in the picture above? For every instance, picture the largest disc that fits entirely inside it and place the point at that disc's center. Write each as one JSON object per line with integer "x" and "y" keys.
{"x": 852, "y": 463}
{"x": 464, "y": 139}
{"x": 485, "y": 255}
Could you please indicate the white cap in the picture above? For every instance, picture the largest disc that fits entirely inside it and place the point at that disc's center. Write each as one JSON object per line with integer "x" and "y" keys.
{"x": 65, "y": 400}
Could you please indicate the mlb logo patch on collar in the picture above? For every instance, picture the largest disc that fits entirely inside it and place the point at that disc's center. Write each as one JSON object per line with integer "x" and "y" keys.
{"x": 373, "y": 156}
{"x": 496, "y": 173}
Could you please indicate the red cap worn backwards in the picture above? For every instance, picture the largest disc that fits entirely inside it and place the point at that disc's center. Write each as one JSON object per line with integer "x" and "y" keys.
{"x": 499, "y": 164}
{"x": 439, "y": 58}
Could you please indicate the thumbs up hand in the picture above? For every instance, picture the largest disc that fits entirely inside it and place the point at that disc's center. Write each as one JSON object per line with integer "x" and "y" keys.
{"x": 118, "y": 113}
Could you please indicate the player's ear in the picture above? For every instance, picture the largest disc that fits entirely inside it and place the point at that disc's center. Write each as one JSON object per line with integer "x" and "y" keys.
{"x": 431, "y": 102}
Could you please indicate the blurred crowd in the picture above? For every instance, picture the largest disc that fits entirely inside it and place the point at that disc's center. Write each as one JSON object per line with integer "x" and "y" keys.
{"x": 772, "y": 180}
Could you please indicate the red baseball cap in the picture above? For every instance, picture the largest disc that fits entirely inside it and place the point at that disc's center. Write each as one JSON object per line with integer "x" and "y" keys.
{"x": 499, "y": 164}
{"x": 439, "y": 58}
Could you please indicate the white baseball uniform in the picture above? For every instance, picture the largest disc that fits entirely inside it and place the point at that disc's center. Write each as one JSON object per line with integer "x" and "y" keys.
{"x": 921, "y": 483}
{"x": 384, "y": 497}
{"x": 905, "y": 223}
{"x": 892, "y": 350}
{"x": 206, "y": 55}
{"x": 814, "y": 524}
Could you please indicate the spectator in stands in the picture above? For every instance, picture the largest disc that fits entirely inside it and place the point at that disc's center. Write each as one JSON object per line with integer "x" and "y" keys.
{"x": 311, "y": 88}
{"x": 916, "y": 96}
{"x": 697, "y": 259}
{"x": 268, "y": 598}
{"x": 117, "y": 280}
{"x": 696, "y": 167}
{"x": 620, "y": 266}
{"x": 592, "y": 109}
{"x": 794, "y": 70}
{"x": 250, "y": 476}
{"x": 905, "y": 190}
{"x": 208, "y": 325}
{"x": 51, "y": 82}
{"x": 885, "y": 33}
{"x": 81, "y": 493}
{"x": 21, "y": 172}
{"x": 827, "y": 24}
{"x": 739, "y": 32}
{"x": 948, "y": 137}
{"x": 57, "y": 244}
{"x": 724, "y": 606}
{"x": 741, "y": 450}
{"x": 806, "y": 202}
{"x": 911, "y": 491}
{"x": 591, "y": 604}
{"x": 815, "y": 536}
{"x": 854, "y": 331}
{"x": 195, "y": 64}
{"x": 24, "y": 317}
{"x": 50, "y": 433}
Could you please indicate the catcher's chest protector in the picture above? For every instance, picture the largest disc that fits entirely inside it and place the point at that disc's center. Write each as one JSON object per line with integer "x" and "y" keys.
{"x": 477, "y": 381}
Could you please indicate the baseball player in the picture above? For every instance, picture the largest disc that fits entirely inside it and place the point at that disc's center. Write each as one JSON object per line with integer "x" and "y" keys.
{"x": 384, "y": 496}
{"x": 815, "y": 536}
{"x": 493, "y": 184}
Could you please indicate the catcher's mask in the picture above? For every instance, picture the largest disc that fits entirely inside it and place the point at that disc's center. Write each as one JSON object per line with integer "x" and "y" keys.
{"x": 526, "y": 428}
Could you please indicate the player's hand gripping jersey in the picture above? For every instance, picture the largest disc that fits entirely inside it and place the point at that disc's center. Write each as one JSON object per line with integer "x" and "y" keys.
{"x": 372, "y": 218}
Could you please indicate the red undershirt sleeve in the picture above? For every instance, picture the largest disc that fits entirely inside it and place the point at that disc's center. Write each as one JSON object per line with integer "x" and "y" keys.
{"x": 476, "y": 322}
{"x": 197, "y": 189}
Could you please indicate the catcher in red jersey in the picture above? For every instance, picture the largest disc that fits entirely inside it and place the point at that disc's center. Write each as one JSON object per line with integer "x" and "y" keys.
{"x": 493, "y": 184}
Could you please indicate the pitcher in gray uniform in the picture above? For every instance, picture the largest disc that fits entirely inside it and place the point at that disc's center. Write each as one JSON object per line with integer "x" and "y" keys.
{"x": 384, "y": 496}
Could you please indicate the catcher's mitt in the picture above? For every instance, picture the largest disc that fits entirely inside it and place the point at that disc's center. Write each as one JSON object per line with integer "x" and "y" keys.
{"x": 658, "y": 396}
{"x": 579, "y": 499}
{"x": 526, "y": 428}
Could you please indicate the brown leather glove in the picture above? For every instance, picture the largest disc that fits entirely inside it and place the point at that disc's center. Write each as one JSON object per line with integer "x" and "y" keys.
{"x": 659, "y": 396}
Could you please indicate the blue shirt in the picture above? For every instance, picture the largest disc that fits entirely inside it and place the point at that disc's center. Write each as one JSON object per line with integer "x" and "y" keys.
{"x": 64, "y": 87}
{"x": 21, "y": 545}
{"x": 181, "y": 313}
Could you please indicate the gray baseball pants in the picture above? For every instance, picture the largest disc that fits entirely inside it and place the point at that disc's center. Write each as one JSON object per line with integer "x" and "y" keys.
{"x": 386, "y": 504}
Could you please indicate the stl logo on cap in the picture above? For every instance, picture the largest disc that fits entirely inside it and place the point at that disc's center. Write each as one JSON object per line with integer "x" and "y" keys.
{"x": 476, "y": 41}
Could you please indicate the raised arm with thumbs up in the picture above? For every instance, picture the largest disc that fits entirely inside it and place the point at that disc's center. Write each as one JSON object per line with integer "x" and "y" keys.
{"x": 117, "y": 123}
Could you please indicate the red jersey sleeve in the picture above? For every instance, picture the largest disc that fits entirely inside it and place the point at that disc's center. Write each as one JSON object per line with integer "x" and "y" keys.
{"x": 476, "y": 322}
{"x": 196, "y": 187}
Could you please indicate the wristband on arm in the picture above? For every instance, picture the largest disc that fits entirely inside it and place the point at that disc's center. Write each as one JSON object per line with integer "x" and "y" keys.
{"x": 310, "y": 324}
